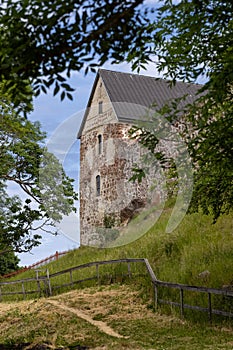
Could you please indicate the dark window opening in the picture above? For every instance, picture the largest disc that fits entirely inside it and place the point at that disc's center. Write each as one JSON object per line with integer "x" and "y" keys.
{"x": 98, "y": 185}
{"x": 100, "y": 107}
{"x": 100, "y": 144}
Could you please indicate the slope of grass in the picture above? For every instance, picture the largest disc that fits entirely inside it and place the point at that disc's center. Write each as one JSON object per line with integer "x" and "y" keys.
{"x": 57, "y": 322}
{"x": 195, "y": 246}
{"x": 181, "y": 256}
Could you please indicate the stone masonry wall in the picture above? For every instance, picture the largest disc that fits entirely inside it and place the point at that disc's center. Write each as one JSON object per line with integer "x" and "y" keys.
{"x": 114, "y": 166}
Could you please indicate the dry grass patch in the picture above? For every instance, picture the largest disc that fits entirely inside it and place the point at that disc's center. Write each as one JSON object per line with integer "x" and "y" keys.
{"x": 109, "y": 303}
{"x": 79, "y": 317}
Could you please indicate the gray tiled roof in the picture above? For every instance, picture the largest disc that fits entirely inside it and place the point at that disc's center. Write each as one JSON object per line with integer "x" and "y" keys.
{"x": 132, "y": 94}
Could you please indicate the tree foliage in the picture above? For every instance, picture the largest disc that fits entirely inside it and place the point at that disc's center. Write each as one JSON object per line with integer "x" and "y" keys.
{"x": 41, "y": 40}
{"x": 194, "y": 40}
{"x": 48, "y": 193}
{"x": 211, "y": 150}
{"x": 8, "y": 263}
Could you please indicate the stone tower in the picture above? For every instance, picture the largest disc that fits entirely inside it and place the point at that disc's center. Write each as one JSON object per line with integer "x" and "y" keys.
{"x": 107, "y": 154}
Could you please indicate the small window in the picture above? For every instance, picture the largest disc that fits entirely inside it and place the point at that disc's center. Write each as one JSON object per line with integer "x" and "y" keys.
{"x": 100, "y": 107}
{"x": 100, "y": 90}
{"x": 97, "y": 185}
{"x": 100, "y": 144}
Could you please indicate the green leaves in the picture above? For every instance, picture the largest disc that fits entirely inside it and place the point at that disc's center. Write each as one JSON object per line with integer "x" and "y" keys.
{"x": 211, "y": 149}
{"x": 8, "y": 262}
{"x": 43, "y": 42}
{"x": 194, "y": 40}
{"x": 25, "y": 161}
{"x": 138, "y": 175}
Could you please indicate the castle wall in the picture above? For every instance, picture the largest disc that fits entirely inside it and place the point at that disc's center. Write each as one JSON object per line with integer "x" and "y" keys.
{"x": 112, "y": 161}
{"x": 114, "y": 166}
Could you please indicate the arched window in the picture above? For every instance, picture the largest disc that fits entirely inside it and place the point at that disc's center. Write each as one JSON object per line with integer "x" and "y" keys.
{"x": 100, "y": 144}
{"x": 97, "y": 185}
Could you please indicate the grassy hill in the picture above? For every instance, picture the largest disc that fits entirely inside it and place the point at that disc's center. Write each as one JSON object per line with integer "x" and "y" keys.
{"x": 195, "y": 246}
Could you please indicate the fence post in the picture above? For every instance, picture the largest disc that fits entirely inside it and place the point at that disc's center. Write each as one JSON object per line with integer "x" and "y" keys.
{"x": 49, "y": 284}
{"x": 210, "y": 307}
{"x": 38, "y": 281}
{"x": 97, "y": 273}
{"x": 155, "y": 294}
{"x": 57, "y": 255}
{"x": 182, "y": 302}
{"x": 0, "y": 294}
{"x": 23, "y": 290}
{"x": 71, "y": 278}
{"x": 129, "y": 270}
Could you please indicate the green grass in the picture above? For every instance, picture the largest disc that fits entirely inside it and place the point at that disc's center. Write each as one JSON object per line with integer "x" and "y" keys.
{"x": 195, "y": 246}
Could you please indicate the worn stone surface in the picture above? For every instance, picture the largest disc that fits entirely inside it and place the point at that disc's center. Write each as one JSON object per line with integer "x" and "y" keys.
{"x": 114, "y": 166}
{"x": 113, "y": 161}
{"x": 127, "y": 213}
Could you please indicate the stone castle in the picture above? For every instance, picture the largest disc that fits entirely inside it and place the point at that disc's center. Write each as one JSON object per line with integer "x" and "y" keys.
{"x": 107, "y": 154}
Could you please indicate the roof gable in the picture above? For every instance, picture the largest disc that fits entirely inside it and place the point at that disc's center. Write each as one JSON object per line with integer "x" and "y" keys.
{"x": 132, "y": 94}
{"x": 93, "y": 117}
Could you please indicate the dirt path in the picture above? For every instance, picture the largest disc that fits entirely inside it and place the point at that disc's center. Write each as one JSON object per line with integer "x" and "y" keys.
{"x": 102, "y": 326}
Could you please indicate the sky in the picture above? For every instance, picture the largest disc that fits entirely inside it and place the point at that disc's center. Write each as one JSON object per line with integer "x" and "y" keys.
{"x": 52, "y": 114}
{"x": 61, "y": 121}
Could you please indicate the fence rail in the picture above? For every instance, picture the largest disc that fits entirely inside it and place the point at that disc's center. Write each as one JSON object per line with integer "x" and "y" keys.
{"x": 42, "y": 262}
{"x": 208, "y": 291}
{"x": 47, "y": 284}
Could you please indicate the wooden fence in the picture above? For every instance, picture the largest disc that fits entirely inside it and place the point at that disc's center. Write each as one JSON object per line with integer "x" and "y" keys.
{"x": 42, "y": 262}
{"x": 210, "y": 292}
{"x": 47, "y": 284}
